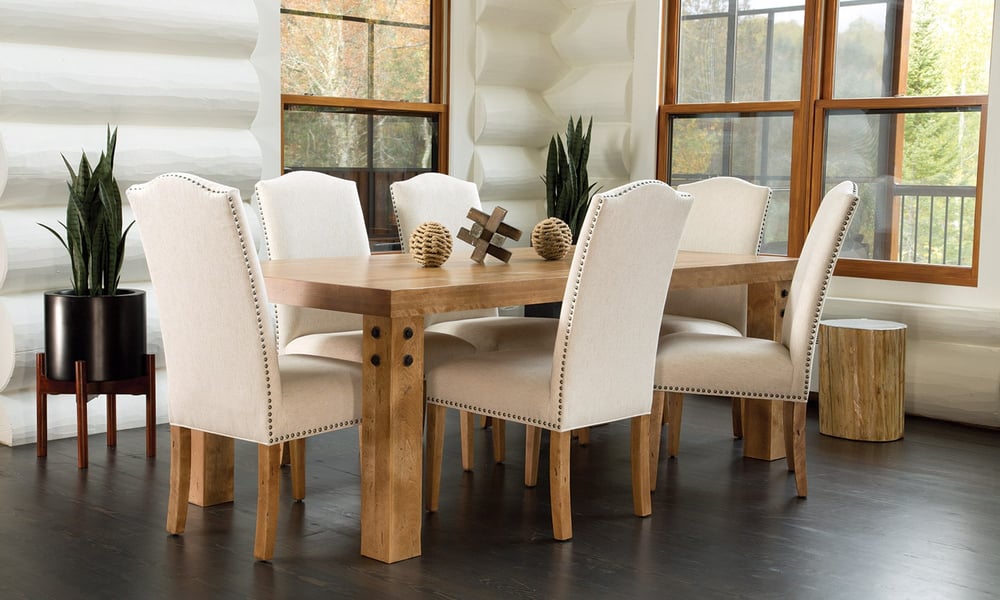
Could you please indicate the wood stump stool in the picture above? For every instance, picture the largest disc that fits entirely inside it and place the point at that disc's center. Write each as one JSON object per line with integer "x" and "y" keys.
{"x": 861, "y": 375}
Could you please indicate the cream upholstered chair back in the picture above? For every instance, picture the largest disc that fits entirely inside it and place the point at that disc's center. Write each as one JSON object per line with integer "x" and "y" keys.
{"x": 800, "y": 326}
{"x": 305, "y": 214}
{"x": 727, "y": 216}
{"x": 446, "y": 200}
{"x": 606, "y": 343}
{"x": 221, "y": 358}
{"x": 433, "y": 197}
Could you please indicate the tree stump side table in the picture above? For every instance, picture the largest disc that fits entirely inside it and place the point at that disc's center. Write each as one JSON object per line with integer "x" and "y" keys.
{"x": 861, "y": 378}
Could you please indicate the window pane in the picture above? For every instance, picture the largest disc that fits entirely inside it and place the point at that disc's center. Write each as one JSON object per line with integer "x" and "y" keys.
{"x": 402, "y": 64}
{"x": 365, "y": 50}
{"x": 323, "y": 57}
{"x": 918, "y": 202}
{"x": 740, "y": 51}
{"x": 756, "y": 149}
{"x": 404, "y": 142}
{"x": 945, "y": 51}
{"x": 319, "y": 137}
{"x": 372, "y": 150}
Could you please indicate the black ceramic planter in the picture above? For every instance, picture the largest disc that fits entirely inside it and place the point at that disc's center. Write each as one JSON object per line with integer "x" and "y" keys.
{"x": 109, "y": 332}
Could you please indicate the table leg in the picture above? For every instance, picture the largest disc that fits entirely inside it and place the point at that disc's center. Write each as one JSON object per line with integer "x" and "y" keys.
{"x": 211, "y": 469}
{"x": 391, "y": 437}
{"x": 763, "y": 436}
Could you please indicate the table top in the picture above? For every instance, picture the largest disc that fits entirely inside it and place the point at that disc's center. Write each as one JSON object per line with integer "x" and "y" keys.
{"x": 394, "y": 285}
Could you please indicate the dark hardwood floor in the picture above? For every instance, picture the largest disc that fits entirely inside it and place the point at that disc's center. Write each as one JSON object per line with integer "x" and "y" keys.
{"x": 917, "y": 518}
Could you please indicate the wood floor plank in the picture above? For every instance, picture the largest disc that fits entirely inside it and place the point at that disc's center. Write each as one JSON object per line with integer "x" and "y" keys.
{"x": 913, "y": 518}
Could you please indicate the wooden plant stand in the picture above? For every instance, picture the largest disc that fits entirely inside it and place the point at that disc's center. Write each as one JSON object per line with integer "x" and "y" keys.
{"x": 144, "y": 385}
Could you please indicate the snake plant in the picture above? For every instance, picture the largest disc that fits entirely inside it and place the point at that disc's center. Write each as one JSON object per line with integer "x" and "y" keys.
{"x": 94, "y": 237}
{"x": 567, "y": 187}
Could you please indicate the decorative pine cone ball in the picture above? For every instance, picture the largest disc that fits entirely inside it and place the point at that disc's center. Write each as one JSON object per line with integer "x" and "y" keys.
{"x": 430, "y": 244}
{"x": 551, "y": 238}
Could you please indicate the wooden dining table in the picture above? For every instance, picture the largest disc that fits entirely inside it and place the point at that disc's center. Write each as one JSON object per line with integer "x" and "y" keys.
{"x": 394, "y": 294}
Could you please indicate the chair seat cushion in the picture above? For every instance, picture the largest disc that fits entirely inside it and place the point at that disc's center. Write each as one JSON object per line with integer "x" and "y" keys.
{"x": 724, "y": 365}
{"x": 681, "y": 324}
{"x": 502, "y": 333}
{"x": 512, "y": 385}
{"x": 317, "y": 394}
{"x": 346, "y": 345}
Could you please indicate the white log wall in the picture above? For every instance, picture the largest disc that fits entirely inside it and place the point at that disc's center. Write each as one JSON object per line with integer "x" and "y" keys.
{"x": 177, "y": 80}
{"x": 536, "y": 65}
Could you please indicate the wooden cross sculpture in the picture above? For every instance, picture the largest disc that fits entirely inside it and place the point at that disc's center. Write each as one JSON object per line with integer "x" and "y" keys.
{"x": 488, "y": 234}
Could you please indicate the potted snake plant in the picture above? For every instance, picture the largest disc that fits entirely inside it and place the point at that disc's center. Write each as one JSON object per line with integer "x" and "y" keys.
{"x": 95, "y": 320}
{"x": 567, "y": 185}
{"x": 568, "y": 190}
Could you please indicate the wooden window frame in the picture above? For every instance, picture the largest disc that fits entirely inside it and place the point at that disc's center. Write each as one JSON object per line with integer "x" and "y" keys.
{"x": 809, "y": 115}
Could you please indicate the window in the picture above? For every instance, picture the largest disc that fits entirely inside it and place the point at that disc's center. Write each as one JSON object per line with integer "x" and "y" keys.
{"x": 898, "y": 106}
{"x": 361, "y": 96}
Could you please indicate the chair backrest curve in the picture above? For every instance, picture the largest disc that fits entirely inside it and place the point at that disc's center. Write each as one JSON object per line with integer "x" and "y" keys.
{"x": 219, "y": 345}
{"x": 606, "y": 344}
{"x": 305, "y": 214}
{"x": 811, "y": 280}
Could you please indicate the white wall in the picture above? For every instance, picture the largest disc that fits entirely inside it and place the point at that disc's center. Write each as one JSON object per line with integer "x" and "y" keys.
{"x": 177, "y": 80}
{"x": 520, "y": 69}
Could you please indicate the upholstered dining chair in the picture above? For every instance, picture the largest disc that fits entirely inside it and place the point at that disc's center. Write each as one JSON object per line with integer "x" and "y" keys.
{"x": 306, "y": 214}
{"x": 727, "y": 216}
{"x": 742, "y": 367}
{"x": 226, "y": 376}
{"x": 603, "y": 354}
{"x": 447, "y": 200}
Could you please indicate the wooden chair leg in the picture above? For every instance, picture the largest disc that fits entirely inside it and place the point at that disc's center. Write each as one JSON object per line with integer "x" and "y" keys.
{"x": 642, "y": 504}
{"x": 112, "y": 412}
{"x": 655, "y": 429}
{"x": 582, "y": 435}
{"x": 41, "y": 408}
{"x": 81, "y": 415}
{"x": 532, "y": 448}
{"x": 151, "y": 406}
{"x": 675, "y": 410}
{"x": 435, "y": 454}
{"x": 467, "y": 422}
{"x": 794, "y": 421}
{"x": 297, "y": 450}
{"x": 180, "y": 479}
{"x": 268, "y": 478}
{"x": 562, "y": 515}
{"x": 499, "y": 440}
{"x": 738, "y": 418}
